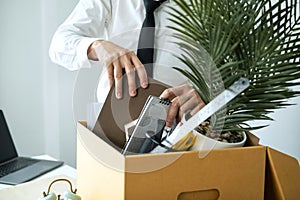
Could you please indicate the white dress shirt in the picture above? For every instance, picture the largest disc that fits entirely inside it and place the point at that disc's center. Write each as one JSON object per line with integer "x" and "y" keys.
{"x": 118, "y": 21}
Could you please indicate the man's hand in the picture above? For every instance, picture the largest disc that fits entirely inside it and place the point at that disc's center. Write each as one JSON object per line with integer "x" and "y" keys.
{"x": 115, "y": 58}
{"x": 185, "y": 100}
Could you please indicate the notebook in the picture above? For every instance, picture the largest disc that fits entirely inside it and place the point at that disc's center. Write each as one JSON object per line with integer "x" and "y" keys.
{"x": 15, "y": 169}
{"x": 116, "y": 113}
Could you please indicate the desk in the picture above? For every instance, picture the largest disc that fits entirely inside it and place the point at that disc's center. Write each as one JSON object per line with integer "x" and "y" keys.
{"x": 33, "y": 189}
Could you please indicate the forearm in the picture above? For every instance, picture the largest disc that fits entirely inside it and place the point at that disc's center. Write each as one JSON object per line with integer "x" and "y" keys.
{"x": 70, "y": 44}
{"x": 70, "y": 50}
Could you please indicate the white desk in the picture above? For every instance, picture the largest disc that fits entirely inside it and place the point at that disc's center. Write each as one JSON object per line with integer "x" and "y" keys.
{"x": 33, "y": 189}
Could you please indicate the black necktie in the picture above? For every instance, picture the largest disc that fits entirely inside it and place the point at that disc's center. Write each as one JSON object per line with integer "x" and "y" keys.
{"x": 146, "y": 41}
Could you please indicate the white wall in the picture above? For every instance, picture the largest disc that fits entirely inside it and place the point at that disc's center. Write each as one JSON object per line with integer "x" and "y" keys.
{"x": 36, "y": 95}
{"x": 21, "y": 91}
{"x": 283, "y": 133}
{"x": 59, "y": 124}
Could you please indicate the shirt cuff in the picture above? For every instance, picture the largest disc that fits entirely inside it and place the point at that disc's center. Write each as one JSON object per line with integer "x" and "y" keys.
{"x": 82, "y": 49}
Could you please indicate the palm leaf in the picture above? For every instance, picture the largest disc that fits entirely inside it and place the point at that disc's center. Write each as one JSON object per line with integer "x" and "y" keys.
{"x": 256, "y": 39}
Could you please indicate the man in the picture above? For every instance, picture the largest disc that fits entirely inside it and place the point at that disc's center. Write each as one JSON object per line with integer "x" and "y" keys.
{"x": 107, "y": 32}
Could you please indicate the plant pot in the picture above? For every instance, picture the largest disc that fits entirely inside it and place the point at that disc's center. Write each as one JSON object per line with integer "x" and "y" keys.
{"x": 206, "y": 143}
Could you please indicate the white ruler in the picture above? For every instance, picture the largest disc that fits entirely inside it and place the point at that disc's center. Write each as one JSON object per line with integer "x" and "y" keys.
{"x": 183, "y": 128}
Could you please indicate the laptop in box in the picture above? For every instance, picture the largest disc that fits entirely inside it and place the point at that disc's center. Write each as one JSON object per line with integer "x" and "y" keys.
{"x": 15, "y": 169}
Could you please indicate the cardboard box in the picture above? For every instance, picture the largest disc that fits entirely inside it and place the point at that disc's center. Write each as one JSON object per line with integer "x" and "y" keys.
{"x": 104, "y": 173}
{"x": 252, "y": 172}
{"x": 282, "y": 176}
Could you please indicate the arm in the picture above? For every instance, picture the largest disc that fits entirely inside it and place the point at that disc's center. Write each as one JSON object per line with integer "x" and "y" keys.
{"x": 80, "y": 40}
{"x": 71, "y": 40}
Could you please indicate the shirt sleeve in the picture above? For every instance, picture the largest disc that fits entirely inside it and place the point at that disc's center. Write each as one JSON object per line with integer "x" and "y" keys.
{"x": 71, "y": 40}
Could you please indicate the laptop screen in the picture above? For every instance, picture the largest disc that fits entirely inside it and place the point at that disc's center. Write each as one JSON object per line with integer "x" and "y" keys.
{"x": 7, "y": 147}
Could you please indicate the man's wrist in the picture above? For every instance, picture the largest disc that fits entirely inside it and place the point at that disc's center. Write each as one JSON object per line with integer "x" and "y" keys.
{"x": 91, "y": 51}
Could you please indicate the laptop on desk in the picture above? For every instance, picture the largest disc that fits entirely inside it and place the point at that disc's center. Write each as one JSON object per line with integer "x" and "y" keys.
{"x": 15, "y": 169}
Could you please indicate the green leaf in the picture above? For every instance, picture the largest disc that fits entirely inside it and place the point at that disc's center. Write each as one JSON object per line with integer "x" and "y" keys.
{"x": 258, "y": 40}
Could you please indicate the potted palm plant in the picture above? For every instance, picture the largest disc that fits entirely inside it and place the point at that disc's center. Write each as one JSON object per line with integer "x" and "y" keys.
{"x": 255, "y": 39}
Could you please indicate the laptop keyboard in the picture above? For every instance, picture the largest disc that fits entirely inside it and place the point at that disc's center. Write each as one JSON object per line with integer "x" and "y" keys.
{"x": 15, "y": 165}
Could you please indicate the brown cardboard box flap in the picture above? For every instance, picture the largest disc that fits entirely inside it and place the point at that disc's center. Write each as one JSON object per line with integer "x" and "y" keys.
{"x": 282, "y": 176}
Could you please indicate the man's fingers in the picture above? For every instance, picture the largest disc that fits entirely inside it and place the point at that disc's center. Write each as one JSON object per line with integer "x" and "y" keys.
{"x": 189, "y": 100}
{"x": 172, "y": 112}
{"x": 167, "y": 94}
{"x": 118, "y": 78}
{"x": 110, "y": 74}
{"x": 115, "y": 58}
{"x": 188, "y": 105}
{"x": 129, "y": 68}
{"x": 197, "y": 108}
{"x": 181, "y": 89}
{"x": 140, "y": 69}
